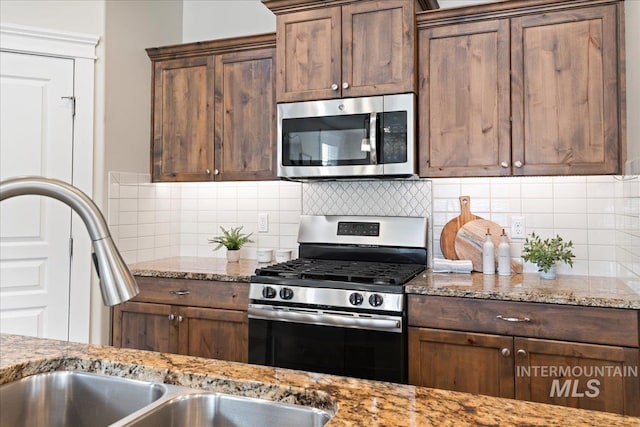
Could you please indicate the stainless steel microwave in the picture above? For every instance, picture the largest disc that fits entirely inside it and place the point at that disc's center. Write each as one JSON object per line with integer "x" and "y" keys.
{"x": 351, "y": 137}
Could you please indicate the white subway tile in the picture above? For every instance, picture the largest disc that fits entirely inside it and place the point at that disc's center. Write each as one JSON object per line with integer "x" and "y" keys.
{"x": 146, "y": 191}
{"x": 534, "y": 221}
{"x": 572, "y": 190}
{"x": 228, "y": 217}
{"x": 569, "y": 221}
{"x": 536, "y": 190}
{"x": 128, "y": 205}
{"x": 565, "y": 205}
{"x": 600, "y": 221}
{"x": 289, "y": 217}
{"x": 247, "y": 204}
{"x": 146, "y": 229}
{"x": 128, "y": 191}
{"x": 476, "y": 189}
{"x": 446, "y": 190}
{"x": 294, "y": 205}
{"x": 602, "y": 206}
{"x": 147, "y": 205}
{"x": 207, "y": 216}
{"x": 146, "y": 242}
{"x": 126, "y": 218}
{"x": 537, "y": 206}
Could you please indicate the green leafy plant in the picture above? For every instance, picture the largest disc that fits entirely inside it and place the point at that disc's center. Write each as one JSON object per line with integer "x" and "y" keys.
{"x": 232, "y": 239}
{"x": 545, "y": 253}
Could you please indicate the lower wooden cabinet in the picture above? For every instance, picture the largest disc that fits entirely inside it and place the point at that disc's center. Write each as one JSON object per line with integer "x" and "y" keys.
{"x": 192, "y": 317}
{"x": 524, "y": 353}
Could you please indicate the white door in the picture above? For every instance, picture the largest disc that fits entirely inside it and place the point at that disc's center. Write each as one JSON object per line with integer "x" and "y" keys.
{"x": 36, "y": 138}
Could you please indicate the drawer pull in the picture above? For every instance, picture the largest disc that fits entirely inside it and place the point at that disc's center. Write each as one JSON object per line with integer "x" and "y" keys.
{"x": 181, "y": 292}
{"x": 171, "y": 316}
{"x": 513, "y": 319}
{"x": 521, "y": 353}
{"x": 180, "y": 319}
{"x": 505, "y": 352}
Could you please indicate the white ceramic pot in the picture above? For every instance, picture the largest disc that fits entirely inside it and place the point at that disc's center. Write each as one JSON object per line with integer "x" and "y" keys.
{"x": 283, "y": 255}
{"x": 265, "y": 255}
{"x": 549, "y": 275}
{"x": 233, "y": 255}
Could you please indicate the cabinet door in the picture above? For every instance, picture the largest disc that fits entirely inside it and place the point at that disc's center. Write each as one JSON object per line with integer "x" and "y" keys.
{"x": 464, "y": 124}
{"x": 567, "y": 374}
{"x": 213, "y": 333}
{"x": 469, "y": 362}
{"x": 144, "y": 326}
{"x": 378, "y": 48}
{"x": 245, "y": 118}
{"x": 183, "y": 120}
{"x": 308, "y": 55}
{"x": 565, "y": 92}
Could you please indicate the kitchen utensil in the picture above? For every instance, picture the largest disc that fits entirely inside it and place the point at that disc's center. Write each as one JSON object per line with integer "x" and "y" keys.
{"x": 470, "y": 238}
{"x": 449, "y": 231}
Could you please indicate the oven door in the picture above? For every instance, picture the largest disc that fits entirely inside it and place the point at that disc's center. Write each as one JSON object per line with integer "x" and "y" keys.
{"x": 369, "y": 346}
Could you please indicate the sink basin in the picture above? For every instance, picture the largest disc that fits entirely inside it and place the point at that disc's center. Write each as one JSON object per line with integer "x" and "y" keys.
{"x": 222, "y": 410}
{"x": 78, "y": 399}
{"x": 73, "y": 399}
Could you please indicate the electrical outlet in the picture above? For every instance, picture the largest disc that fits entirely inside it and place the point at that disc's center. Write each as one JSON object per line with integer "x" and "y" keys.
{"x": 263, "y": 222}
{"x": 518, "y": 227}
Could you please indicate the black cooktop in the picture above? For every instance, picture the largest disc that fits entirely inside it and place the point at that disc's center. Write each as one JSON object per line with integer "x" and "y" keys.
{"x": 375, "y": 273}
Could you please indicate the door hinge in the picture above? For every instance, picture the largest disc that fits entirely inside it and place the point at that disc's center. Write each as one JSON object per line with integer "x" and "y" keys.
{"x": 71, "y": 247}
{"x": 73, "y": 104}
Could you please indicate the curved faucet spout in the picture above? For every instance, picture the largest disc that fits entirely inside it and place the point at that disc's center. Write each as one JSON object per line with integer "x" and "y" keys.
{"x": 116, "y": 281}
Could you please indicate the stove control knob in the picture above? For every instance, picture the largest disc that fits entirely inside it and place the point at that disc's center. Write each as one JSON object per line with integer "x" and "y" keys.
{"x": 356, "y": 298}
{"x": 376, "y": 300}
{"x": 268, "y": 292}
{"x": 286, "y": 293}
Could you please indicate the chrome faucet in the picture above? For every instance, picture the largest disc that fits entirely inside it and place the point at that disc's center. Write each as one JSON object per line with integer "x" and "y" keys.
{"x": 116, "y": 281}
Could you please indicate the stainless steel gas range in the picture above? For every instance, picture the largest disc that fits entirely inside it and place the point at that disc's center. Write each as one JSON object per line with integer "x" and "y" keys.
{"x": 339, "y": 308}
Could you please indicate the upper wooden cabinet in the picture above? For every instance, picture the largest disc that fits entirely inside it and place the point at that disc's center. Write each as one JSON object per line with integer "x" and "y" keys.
{"x": 213, "y": 112}
{"x": 522, "y": 88}
{"x": 338, "y": 48}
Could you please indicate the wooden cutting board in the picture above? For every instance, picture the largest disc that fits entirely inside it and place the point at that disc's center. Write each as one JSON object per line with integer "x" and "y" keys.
{"x": 470, "y": 238}
{"x": 448, "y": 235}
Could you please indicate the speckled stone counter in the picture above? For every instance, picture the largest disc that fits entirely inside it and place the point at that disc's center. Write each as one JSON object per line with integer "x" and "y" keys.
{"x": 354, "y": 402}
{"x": 573, "y": 290}
{"x": 198, "y": 268}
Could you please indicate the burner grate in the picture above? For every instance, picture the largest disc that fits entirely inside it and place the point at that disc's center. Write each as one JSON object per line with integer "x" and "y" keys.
{"x": 377, "y": 273}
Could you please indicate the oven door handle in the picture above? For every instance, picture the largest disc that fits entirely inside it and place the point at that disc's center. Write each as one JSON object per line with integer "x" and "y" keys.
{"x": 326, "y": 319}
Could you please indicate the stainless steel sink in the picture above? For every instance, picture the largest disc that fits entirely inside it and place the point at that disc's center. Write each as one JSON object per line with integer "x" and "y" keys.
{"x": 222, "y": 410}
{"x": 78, "y": 399}
{"x": 73, "y": 399}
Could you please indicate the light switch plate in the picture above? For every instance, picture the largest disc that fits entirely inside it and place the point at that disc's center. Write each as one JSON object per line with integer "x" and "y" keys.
{"x": 263, "y": 222}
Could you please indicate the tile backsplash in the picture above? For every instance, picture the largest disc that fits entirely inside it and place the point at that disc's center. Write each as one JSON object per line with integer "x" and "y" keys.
{"x": 600, "y": 214}
{"x": 160, "y": 220}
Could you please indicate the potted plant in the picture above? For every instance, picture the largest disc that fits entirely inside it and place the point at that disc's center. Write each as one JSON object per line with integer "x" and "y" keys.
{"x": 546, "y": 253}
{"x": 233, "y": 240}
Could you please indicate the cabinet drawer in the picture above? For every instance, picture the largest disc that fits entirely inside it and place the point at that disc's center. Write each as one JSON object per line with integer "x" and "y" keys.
{"x": 195, "y": 293}
{"x": 596, "y": 325}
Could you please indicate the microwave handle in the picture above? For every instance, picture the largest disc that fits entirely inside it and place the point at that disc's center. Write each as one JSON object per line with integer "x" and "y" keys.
{"x": 373, "y": 132}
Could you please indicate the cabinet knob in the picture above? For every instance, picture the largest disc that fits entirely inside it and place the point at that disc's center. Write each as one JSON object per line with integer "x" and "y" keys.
{"x": 179, "y": 319}
{"x": 518, "y": 164}
{"x": 521, "y": 353}
{"x": 180, "y": 292}
{"x": 207, "y": 172}
{"x": 345, "y": 85}
{"x": 504, "y": 164}
{"x": 171, "y": 316}
{"x": 505, "y": 352}
{"x": 334, "y": 86}
{"x": 216, "y": 172}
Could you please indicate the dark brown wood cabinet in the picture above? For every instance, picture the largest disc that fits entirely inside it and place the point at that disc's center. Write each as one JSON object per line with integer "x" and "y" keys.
{"x": 213, "y": 112}
{"x": 583, "y": 357}
{"x": 522, "y": 88}
{"x": 339, "y": 49}
{"x": 192, "y": 317}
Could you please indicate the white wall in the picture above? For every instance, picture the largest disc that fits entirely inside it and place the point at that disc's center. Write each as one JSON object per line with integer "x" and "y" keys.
{"x": 208, "y": 20}
{"x": 65, "y": 15}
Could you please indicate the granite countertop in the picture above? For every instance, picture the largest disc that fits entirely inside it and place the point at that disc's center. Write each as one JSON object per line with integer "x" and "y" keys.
{"x": 198, "y": 268}
{"x": 354, "y": 402}
{"x": 573, "y": 290}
